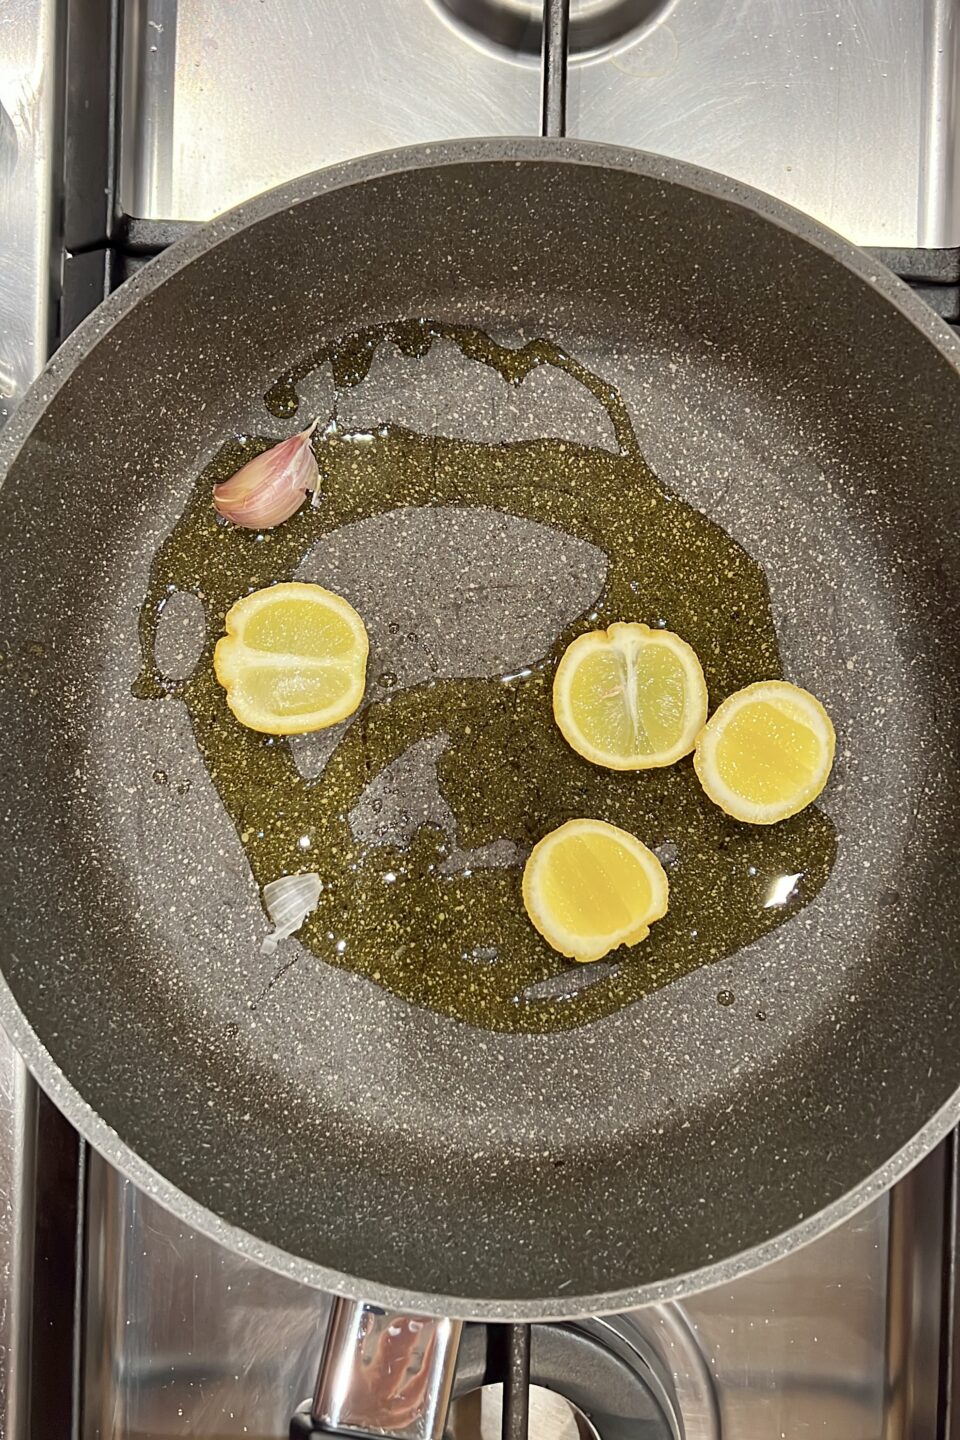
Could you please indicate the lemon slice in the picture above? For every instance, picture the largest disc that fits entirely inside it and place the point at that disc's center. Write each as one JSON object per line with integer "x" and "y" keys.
{"x": 589, "y": 887}
{"x": 294, "y": 658}
{"x": 766, "y": 752}
{"x": 630, "y": 698}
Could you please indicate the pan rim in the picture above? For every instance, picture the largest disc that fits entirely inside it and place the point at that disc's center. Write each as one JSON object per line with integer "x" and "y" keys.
{"x": 58, "y": 371}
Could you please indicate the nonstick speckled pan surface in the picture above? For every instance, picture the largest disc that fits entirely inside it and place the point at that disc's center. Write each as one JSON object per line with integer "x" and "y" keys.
{"x": 776, "y": 379}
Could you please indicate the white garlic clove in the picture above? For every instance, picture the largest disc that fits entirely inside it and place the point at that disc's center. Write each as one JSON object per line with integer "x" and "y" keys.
{"x": 271, "y": 487}
{"x": 288, "y": 901}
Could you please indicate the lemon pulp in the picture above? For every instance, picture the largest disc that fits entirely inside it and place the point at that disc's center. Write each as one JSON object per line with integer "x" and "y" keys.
{"x": 590, "y": 887}
{"x": 766, "y": 753}
{"x": 293, "y": 659}
{"x": 629, "y": 697}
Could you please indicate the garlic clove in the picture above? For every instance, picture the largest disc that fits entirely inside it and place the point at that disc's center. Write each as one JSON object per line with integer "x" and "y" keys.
{"x": 288, "y": 901}
{"x": 271, "y": 487}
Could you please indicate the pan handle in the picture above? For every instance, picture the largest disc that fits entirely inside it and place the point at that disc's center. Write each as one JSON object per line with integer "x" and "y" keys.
{"x": 383, "y": 1374}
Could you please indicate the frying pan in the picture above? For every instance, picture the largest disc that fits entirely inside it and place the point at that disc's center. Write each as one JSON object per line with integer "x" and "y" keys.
{"x": 781, "y": 381}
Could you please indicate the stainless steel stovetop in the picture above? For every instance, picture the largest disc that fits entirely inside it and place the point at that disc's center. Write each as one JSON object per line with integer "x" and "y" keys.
{"x": 119, "y": 124}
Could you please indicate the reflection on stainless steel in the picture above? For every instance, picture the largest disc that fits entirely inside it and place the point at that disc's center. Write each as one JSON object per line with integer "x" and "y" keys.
{"x": 18, "y": 1097}
{"x": 846, "y": 110}
{"x": 940, "y": 163}
{"x": 665, "y": 1331}
{"x": 182, "y": 1337}
{"x": 840, "y": 1339}
{"x": 917, "y": 1330}
{"x": 227, "y": 98}
{"x": 836, "y": 1340}
{"x": 515, "y": 25}
{"x": 28, "y": 33}
{"x": 28, "y": 97}
{"x": 149, "y": 59}
{"x": 386, "y": 1374}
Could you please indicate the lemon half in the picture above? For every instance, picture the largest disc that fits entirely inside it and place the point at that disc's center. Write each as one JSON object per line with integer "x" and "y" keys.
{"x": 630, "y": 698}
{"x": 589, "y": 887}
{"x": 766, "y": 752}
{"x": 294, "y": 659}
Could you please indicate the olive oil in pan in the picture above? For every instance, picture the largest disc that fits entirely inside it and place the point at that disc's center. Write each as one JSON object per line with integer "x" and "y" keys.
{"x": 417, "y": 917}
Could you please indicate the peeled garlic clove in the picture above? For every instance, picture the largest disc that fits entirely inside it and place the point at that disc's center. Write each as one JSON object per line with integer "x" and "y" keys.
{"x": 271, "y": 487}
{"x": 288, "y": 901}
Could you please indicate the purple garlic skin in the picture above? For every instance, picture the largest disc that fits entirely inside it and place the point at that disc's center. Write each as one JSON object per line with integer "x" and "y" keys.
{"x": 271, "y": 487}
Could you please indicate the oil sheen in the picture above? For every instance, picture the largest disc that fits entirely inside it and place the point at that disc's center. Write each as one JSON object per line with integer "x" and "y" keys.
{"x": 455, "y": 939}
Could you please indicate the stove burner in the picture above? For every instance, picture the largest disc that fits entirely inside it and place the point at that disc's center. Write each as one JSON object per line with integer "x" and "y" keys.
{"x": 479, "y": 1416}
{"x": 515, "y": 25}
{"x": 586, "y": 1380}
{"x": 591, "y": 1379}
